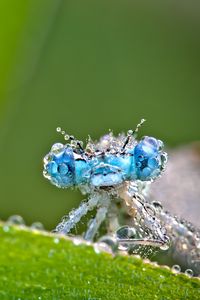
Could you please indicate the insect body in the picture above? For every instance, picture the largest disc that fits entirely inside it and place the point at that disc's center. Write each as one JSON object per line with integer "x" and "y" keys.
{"x": 114, "y": 167}
{"x": 64, "y": 167}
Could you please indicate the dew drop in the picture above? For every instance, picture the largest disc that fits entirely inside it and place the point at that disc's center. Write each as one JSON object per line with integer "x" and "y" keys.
{"x": 6, "y": 228}
{"x": 56, "y": 241}
{"x": 16, "y": 219}
{"x": 66, "y": 137}
{"x": 58, "y": 129}
{"x": 102, "y": 247}
{"x": 77, "y": 241}
{"x": 37, "y": 225}
{"x": 189, "y": 272}
{"x": 57, "y": 147}
{"x": 111, "y": 242}
{"x": 164, "y": 247}
{"x": 143, "y": 269}
{"x": 126, "y": 232}
{"x": 46, "y": 159}
{"x": 176, "y": 269}
{"x": 130, "y": 132}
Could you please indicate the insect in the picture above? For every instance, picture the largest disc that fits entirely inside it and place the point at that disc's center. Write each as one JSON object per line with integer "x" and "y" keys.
{"x": 115, "y": 167}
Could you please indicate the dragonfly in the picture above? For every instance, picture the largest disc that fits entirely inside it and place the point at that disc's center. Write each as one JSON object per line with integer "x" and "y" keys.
{"x": 115, "y": 167}
{"x": 115, "y": 174}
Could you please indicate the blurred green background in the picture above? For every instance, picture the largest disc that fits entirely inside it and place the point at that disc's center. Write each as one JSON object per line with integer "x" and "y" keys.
{"x": 88, "y": 66}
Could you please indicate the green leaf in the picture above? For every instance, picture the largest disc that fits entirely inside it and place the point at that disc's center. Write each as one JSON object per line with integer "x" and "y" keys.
{"x": 40, "y": 265}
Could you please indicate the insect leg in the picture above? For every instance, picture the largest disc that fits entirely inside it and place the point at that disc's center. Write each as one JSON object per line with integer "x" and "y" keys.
{"x": 96, "y": 222}
{"x": 68, "y": 222}
{"x": 103, "y": 204}
{"x": 113, "y": 218}
{"x": 145, "y": 215}
{"x": 143, "y": 242}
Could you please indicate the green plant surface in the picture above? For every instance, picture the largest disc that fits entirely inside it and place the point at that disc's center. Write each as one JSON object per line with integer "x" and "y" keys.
{"x": 39, "y": 265}
{"x": 88, "y": 66}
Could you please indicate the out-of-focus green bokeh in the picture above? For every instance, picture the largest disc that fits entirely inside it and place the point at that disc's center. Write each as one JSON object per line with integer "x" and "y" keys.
{"x": 88, "y": 66}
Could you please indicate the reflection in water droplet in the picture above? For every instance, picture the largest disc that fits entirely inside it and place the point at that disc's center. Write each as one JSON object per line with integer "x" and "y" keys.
{"x": 176, "y": 269}
{"x": 126, "y": 232}
{"x": 16, "y": 219}
{"x": 189, "y": 272}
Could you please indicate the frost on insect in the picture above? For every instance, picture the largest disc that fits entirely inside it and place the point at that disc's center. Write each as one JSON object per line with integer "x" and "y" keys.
{"x": 113, "y": 168}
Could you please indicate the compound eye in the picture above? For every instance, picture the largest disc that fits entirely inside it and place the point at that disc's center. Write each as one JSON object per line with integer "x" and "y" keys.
{"x": 59, "y": 166}
{"x": 149, "y": 158}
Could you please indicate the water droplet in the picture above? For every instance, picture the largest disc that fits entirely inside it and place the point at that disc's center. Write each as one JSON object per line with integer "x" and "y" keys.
{"x": 6, "y": 228}
{"x": 63, "y": 169}
{"x": 126, "y": 232}
{"x": 58, "y": 129}
{"x": 46, "y": 159}
{"x": 157, "y": 205}
{"x": 66, "y": 137}
{"x": 77, "y": 241}
{"x": 57, "y": 147}
{"x": 176, "y": 269}
{"x": 110, "y": 242}
{"x": 37, "y": 225}
{"x": 16, "y": 219}
{"x": 56, "y": 240}
{"x": 129, "y": 132}
{"x": 189, "y": 272}
{"x": 160, "y": 145}
{"x": 102, "y": 247}
{"x": 164, "y": 247}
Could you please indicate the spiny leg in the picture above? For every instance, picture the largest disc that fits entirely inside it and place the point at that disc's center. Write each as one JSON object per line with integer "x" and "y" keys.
{"x": 95, "y": 224}
{"x": 104, "y": 203}
{"x": 67, "y": 223}
{"x": 139, "y": 210}
{"x": 112, "y": 218}
{"x": 142, "y": 241}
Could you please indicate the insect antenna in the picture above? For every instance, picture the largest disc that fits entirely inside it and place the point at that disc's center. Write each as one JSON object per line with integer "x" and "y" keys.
{"x": 133, "y": 133}
{"x": 71, "y": 138}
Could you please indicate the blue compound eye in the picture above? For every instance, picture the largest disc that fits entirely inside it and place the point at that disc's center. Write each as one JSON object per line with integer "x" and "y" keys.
{"x": 149, "y": 158}
{"x": 59, "y": 166}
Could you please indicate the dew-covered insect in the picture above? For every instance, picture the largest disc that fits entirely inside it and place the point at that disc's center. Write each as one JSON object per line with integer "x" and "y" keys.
{"x": 114, "y": 167}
